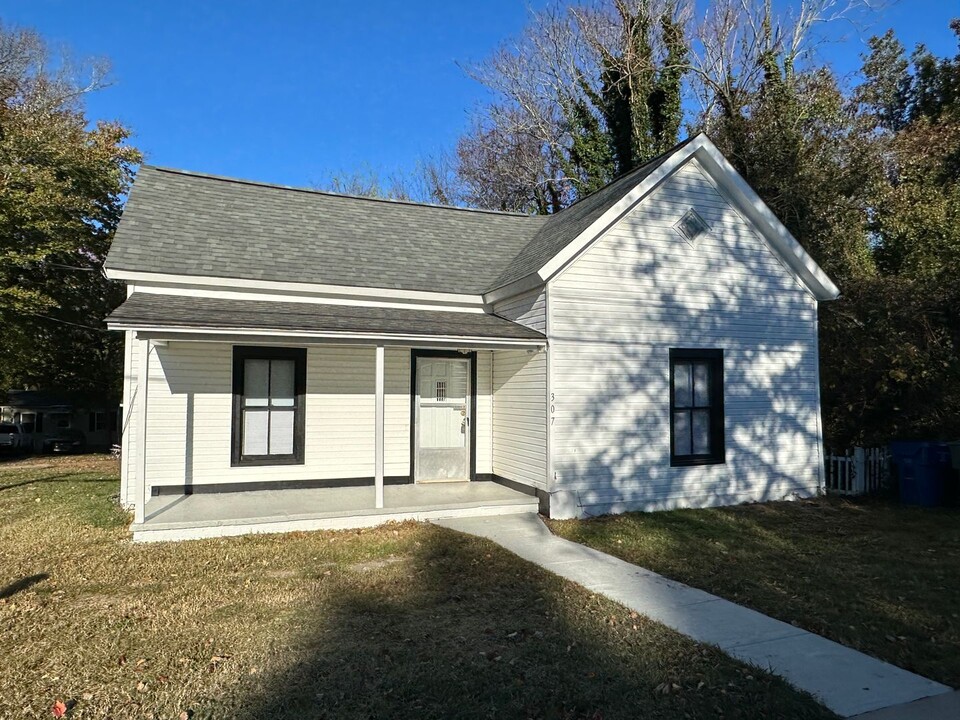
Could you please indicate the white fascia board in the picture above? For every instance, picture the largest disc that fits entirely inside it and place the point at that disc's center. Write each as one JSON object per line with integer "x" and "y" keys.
{"x": 599, "y": 226}
{"x": 280, "y": 336}
{"x": 253, "y": 295}
{"x": 524, "y": 284}
{"x": 293, "y": 288}
{"x": 810, "y": 274}
{"x": 782, "y": 241}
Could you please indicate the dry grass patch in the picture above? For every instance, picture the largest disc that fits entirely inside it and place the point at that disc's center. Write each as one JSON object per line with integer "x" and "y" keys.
{"x": 400, "y": 621}
{"x": 876, "y": 576}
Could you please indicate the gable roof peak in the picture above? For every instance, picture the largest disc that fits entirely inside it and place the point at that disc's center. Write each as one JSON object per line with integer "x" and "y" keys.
{"x": 560, "y": 241}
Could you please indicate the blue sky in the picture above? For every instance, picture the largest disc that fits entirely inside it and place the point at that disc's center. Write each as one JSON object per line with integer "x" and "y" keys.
{"x": 290, "y": 91}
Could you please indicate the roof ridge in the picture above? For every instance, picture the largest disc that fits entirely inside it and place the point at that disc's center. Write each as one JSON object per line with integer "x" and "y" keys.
{"x": 294, "y": 188}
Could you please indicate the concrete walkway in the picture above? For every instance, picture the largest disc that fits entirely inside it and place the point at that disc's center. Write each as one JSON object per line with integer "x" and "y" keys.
{"x": 846, "y": 681}
{"x": 945, "y": 706}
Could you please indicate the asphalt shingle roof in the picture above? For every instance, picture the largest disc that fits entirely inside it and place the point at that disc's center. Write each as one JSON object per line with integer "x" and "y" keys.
{"x": 183, "y": 223}
{"x": 560, "y": 229}
{"x": 177, "y": 311}
{"x": 188, "y": 224}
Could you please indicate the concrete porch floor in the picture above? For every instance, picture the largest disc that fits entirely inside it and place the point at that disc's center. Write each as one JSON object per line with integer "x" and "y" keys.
{"x": 190, "y": 517}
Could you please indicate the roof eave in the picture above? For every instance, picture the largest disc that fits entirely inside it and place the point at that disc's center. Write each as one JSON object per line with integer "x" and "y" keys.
{"x": 140, "y": 277}
{"x": 745, "y": 197}
{"x": 521, "y": 285}
{"x": 282, "y": 336}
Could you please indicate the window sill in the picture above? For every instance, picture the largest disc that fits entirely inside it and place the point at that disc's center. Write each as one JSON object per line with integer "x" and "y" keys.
{"x": 693, "y": 461}
{"x": 261, "y": 461}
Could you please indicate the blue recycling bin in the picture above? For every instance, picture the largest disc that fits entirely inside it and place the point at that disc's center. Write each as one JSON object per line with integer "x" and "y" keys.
{"x": 924, "y": 471}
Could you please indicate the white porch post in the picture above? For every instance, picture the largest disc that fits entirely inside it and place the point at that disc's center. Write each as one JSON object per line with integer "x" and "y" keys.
{"x": 143, "y": 381}
{"x": 378, "y": 461}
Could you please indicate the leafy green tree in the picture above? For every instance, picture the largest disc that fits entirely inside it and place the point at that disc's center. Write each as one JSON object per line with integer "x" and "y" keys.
{"x": 795, "y": 142}
{"x": 639, "y": 94}
{"x": 916, "y": 211}
{"x": 62, "y": 185}
{"x": 936, "y": 81}
{"x": 890, "y": 362}
{"x": 590, "y": 161}
{"x": 916, "y": 220}
{"x": 885, "y": 94}
{"x": 588, "y": 92}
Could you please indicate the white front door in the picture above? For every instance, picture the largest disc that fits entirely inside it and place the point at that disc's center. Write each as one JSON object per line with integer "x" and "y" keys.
{"x": 443, "y": 419}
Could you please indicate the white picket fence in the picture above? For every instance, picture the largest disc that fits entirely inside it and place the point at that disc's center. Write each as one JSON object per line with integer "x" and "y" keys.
{"x": 857, "y": 472}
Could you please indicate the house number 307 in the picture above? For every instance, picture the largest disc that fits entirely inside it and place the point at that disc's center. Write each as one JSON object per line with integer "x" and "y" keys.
{"x": 553, "y": 408}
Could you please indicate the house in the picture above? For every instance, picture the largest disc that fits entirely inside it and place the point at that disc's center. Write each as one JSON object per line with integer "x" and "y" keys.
{"x": 297, "y": 359}
{"x": 45, "y": 416}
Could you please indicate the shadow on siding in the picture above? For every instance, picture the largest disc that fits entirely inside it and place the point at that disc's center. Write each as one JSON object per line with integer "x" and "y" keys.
{"x": 611, "y": 431}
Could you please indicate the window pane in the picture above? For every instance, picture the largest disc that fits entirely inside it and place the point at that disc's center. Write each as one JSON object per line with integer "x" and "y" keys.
{"x": 281, "y": 382}
{"x": 701, "y": 385}
{"x": 255, "y": 432}
{"x": 256, "y": 374}
{"x": 701, "y": 432}
{"x": 681, "y": 433}
{"x": 681, "y": 385}
{"x": 281, "y": 432}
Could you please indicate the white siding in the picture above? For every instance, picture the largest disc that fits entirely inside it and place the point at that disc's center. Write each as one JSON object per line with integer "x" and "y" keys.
{"x": 519, "y": 446}
{"x": 396, "y": 411}
{"x": 190, "y": 412}
{"x": 614, "y": 314}
{"x": 484, "y": 419}
{"x": 520, "y": 416}
{"x": 528, "y": 309}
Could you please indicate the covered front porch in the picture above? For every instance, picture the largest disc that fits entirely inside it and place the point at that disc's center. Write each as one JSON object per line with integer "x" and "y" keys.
{"x": 205, "y": 515}
{"x": 259, "y": 426}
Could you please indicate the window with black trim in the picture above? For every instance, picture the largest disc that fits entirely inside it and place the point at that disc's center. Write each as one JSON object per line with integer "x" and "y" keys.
{"x": 696, "y": 407}
{"x": 268, "y": 405}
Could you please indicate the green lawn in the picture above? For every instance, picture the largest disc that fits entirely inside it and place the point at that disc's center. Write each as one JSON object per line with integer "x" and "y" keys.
{"x": 875, "y": 576}
{"x": 404, "y": 621}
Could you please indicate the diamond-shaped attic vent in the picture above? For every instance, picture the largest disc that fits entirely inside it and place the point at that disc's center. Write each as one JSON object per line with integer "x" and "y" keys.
{"x": 691, "y": 226}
